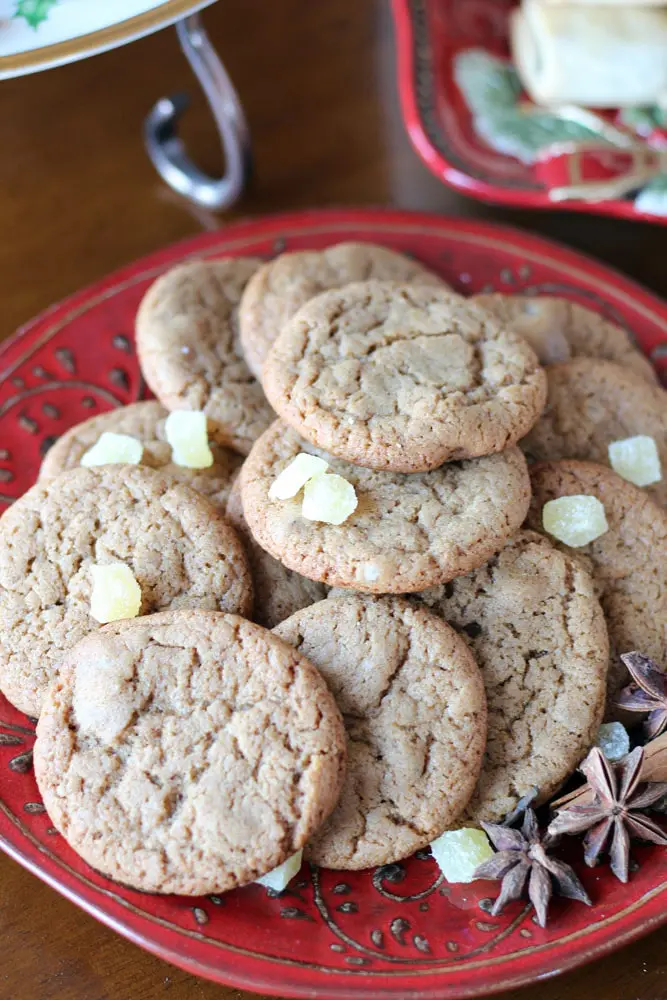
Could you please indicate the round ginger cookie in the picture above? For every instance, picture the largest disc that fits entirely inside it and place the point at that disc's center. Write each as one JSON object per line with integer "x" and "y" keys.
{"x": 179, "y": 548}
{"x": 592, "y": 403}
{"x": 559, "y": 330}
{"x": 628, "y": 563}
{"x": 402, "y": 377}
{"x": 188, "y": 752}
{"x": 145, "y": 422}
{"x": 407, "y": 533}
{"x": 538, "y": 633}
{"x": 413, "y": 703}
{"x": 281, "y": 286}
{"x": 279, "y": 591}
{"x": 189, "y": 349}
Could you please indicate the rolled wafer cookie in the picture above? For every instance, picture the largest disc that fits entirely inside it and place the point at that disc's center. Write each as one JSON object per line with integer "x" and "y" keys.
{"x": 595, "y": 56}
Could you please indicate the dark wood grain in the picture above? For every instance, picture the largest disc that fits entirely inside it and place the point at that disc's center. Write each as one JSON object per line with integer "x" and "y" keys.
{"x": 78, "y": 198}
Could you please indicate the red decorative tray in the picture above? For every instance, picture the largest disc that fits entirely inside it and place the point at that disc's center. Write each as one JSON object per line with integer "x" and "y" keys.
{"x": 431, "y": 36}
{"x": 396, "y": 931}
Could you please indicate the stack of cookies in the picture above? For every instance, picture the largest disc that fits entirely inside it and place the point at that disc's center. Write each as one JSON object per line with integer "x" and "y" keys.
{"x": 314, "y": 597}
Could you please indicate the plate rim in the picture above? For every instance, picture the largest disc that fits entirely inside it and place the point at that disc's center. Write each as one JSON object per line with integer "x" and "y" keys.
{"x": 272, "y": 976}
{"x": 386, "y": 217}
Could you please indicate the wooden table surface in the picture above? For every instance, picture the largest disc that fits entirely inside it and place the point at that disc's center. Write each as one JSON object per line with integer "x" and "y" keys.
{"x": 78, "y": 198}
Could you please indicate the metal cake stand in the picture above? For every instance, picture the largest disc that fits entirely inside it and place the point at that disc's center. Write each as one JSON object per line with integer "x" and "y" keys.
{"x": 166, "y": 149}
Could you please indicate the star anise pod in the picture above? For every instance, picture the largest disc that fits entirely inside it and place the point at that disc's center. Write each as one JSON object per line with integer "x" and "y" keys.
{"x": 647, "y": 694}
{"x": 522, "y": 858}
{"x": 525, "y": 802}
{"x": 616, "y": 810}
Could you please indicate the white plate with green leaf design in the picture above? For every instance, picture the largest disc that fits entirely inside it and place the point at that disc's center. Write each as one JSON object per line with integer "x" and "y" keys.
{"x": 39, "y": 34}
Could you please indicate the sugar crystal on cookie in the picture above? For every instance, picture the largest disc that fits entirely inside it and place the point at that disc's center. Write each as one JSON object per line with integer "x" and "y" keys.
{"x": 459, "y": 852}
{"x": 280, "y": 877}
{"x": 636, "y": 459}
{"x": 111, "y": 448}
{"x": 295, "y": 476}
{"x": 186, "y": 432}
{"x": 575, "y": 520}
{"x": 328, "y": 498}
{"x": 116, "y": 593}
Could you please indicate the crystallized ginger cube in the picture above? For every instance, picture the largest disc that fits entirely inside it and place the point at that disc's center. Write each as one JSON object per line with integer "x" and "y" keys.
{"x": 280, "y": 877}
{"x": 459, "y": 852}
{"x": 328, "y": 498}
{"x": 186, "y": 432}
{"x": 613, "y": 740}
{"x": 111, "y": 448}
{"x": 575, "y": 520}
{"x": 296, "y": 475}
{"x": 636, "y": 459}
{"x": 116, "y": 593}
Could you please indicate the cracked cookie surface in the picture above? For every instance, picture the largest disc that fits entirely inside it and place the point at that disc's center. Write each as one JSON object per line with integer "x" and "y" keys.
{"x": 188, "y": 752}
{"x": 281, "y": 286}
{"x": 144, "y": 421}
{"x": 628, "y": 563}
{"x": 279, "y": 591}
{"x": 592, "y": 403}
{"x": 179, "y": 548}
{"x": 190, "y": 353}
{"x": 538, "y": 633}
{"x": 408, "y": 532}
{"x": 402, "y": 377}
{"x": 559, "y": 330}
{"x": 413, "y": 704}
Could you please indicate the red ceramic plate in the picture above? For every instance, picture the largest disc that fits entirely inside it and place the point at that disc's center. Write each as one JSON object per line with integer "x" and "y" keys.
{"x": 430, "y": 34}
{"x": 397, "y": 931}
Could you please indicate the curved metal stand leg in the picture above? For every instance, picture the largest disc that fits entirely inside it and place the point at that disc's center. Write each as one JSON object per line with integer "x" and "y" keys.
{"x": 167, "y": 151}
